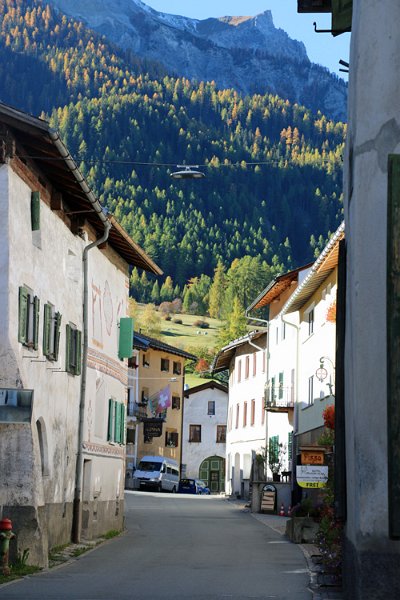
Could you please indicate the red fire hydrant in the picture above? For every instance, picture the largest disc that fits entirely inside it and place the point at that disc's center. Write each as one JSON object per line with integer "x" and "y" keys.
{"x": 6, "y": 535}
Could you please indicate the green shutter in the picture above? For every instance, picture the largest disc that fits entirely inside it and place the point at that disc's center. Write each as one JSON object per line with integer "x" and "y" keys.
{"x": 78, "y": 352}
{"x": 342, "y": 12}
{"x": 22, "y": 315}
{"x": 110, "y": 435}
{"x": 35, "y": 211}
{"x": 280, "y": 386}
{"x": 47, "y": 324}
{"x": 68, "y": 349}
{"x": 273, "y": 449}
{"x": 125, "y": 347}
{"x": 117, "y": 428}
{"x": 36, "y": 316}
{"x": 57, "y": 329}
{"x": 123, "y": 424}
{"x": 273, "y": 389}
{"x": 290, "y": 445}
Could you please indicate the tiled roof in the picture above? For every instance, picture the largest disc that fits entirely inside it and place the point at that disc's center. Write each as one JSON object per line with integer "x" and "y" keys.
{"x": 42, "y": 143}
{"x": 205, "y": 386}
{"x": 276, "y": 287}
{"x": 144, "y": 342}
{"x": 321, "y": 269}
{"x": 222, "y": 361}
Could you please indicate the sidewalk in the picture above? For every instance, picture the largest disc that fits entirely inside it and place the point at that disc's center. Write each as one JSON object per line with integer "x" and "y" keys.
{"x": 321, "y": 585}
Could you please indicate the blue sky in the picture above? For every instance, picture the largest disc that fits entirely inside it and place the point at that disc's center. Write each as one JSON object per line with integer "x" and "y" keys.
{"x": 322, "y": 48}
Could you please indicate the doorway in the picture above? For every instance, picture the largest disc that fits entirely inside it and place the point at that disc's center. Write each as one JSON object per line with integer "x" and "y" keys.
{"x": 212, "y": 472}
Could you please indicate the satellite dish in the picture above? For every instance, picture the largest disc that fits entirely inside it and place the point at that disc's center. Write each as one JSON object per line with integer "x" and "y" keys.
{"x": 187, "y": 172}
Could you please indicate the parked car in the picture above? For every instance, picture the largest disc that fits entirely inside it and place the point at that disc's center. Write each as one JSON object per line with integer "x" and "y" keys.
{"x": 157, "y": 473}
{"x": 193, "y": 486}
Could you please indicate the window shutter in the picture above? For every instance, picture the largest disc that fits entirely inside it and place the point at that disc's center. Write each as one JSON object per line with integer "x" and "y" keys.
{"x": 110, "y": 435}
{"x": 46, "y": 329}
{"x": 57, "y": 331}
{"x": 125, "y": 347}
{"x": 342, "y": 12}
{"x": 117, "y": 429}
{"x": 174, "y": 437}
{"x": 23, "y": 315}
{"x": 36, "y": 315}
{"x": 78, "y": 341}
{"x": 290, "y": 444}
{"x": 35, "y": 211}
{"x": 123, "y": 423}
{"x": 280, "y": 386}
{"x": 68, "y": 349}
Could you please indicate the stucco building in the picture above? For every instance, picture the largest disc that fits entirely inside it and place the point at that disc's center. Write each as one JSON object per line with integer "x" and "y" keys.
{"x": 205, "y": 411}
{"x": 63, "y": 376}
{"x": 155, "y": 419}
{"x": 245, "y": 358}
{"x": 367, "y": 366}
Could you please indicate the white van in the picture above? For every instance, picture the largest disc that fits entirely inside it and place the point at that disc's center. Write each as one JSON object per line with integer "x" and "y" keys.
{"x": 158, "y": 473}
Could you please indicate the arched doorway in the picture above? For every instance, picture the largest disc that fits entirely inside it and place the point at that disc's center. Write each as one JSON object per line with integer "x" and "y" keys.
{"x": 212, "y": 472}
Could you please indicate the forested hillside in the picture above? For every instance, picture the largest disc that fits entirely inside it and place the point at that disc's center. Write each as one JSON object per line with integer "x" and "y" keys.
{"x": 273, "y": 169}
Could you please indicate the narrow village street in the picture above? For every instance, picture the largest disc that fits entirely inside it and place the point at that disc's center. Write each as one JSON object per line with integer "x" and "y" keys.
{"x": 176, "y": 547}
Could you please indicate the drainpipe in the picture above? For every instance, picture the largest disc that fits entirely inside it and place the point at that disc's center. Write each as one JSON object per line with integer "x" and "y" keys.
{"x": 76, "y": 514}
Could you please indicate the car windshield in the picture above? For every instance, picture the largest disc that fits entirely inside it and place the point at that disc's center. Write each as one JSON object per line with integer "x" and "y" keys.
{"x": 145, "y": 465}
{"x": 186, "y": 482}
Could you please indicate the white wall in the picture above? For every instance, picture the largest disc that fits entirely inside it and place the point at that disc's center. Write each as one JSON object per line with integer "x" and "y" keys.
{"x": 374, "y": 132}
{"x": 282, "y": 348}
{"x": 195, "y": 413}
{"x": 243, "y": 441}
{"x": 50, "y": 263}
{"x": 320, "y": 344}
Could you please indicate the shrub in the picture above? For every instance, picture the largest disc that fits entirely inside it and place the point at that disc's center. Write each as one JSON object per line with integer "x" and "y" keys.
{"x": 177, "y": 321}
{"x": 201, "y": 324}
{"x": 167, "y": 318}
{"x": 202, "y": 366}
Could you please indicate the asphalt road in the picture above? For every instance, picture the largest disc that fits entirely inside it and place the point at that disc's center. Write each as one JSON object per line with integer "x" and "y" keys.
{"x": 178, "y": 547}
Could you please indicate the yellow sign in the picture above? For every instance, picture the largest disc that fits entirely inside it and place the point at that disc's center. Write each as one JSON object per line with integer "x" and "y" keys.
{"x": 311, "y": 484}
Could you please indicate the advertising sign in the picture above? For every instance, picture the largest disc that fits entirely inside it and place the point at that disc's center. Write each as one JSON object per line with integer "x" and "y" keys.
{"x": 152, "y": 428}
{"x": 312, "y": 476}
{"x": 312, "y": 457}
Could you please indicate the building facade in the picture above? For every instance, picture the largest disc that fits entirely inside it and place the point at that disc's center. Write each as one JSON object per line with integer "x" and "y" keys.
{"x": 246, "y": 427}
{"x": 61, "y": 442}
{"x": 157, "y": 410}
{"x": 205, "y": 411}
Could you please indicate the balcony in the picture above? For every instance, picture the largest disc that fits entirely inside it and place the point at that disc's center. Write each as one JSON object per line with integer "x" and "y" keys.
{"x": 279, "y": 399}
{"x": 138, "y": 410}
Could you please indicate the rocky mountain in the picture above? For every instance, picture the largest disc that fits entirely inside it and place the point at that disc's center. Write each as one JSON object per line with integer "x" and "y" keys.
{"x": 248, "y": 54}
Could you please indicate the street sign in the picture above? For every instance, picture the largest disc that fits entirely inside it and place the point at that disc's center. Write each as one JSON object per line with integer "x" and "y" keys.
{"x": 311, "y": 476}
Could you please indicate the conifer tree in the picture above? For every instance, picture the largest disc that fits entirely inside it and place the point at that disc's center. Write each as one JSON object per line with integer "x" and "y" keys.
{"x": 217, "y": 292}
{"x": 167, "y": 290}
{"x": 235, "y": 325}
{"x": 155, "y": 293}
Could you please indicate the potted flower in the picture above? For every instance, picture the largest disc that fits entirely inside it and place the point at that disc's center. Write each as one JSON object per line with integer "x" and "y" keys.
{"x": 276, "y": 458}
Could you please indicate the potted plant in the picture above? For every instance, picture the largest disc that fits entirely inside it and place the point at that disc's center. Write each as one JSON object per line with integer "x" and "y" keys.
{"x": 276, "y": 458}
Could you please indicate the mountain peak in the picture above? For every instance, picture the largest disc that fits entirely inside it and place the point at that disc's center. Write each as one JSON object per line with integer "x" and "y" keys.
{"x": 246, "y": 53}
